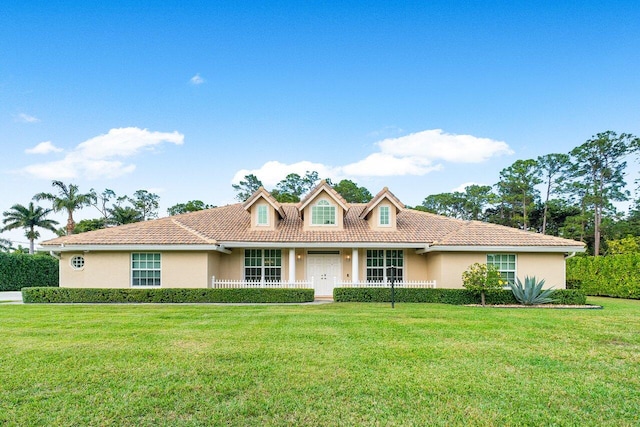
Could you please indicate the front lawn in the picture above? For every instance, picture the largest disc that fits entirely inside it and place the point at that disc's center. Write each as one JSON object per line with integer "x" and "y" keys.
{"x": 333, "y": 364}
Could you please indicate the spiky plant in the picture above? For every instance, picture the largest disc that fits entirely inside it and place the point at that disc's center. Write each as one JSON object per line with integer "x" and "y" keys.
{"x": 531, "y": 292}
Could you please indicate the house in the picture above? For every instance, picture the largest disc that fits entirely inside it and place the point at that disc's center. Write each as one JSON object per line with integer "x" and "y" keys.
{"x": 322, "y": 242}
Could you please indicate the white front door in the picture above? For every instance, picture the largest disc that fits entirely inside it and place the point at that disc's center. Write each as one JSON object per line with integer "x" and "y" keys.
{"x": 324, "y": 270}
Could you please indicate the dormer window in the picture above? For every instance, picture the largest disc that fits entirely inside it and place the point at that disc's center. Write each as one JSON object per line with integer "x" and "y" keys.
{"x": 384, "y": 215}
{"x": 263, "y": 216}
{"x": 322, "y": 213}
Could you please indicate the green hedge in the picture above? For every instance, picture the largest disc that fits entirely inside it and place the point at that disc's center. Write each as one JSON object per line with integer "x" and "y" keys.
{"x": 75, "y": 295}
{"x": 612, "y": 275}
{"x": 19, "y": 271}
{"x": 445, "y": 296}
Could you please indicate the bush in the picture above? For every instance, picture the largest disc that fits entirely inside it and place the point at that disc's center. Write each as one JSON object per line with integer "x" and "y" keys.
{"x": 167, "y": 295}
{"x": 569, "y": 297}
{"x": 574, "y": 283}
{"x": 482, "y": 279}
{"x": 446, "y": 296}
{"x": 612, "y": 275}
{"x": 19, "y": 271}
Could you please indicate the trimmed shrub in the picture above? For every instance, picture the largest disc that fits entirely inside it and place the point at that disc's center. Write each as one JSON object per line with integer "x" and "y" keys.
{"x": 19, "y": 271}
{"x": 569, "y": 297}
{"x": 574, "y": 283}
{"x": 165, "y": 295}
{"x": 445, "y": 296}
{"x": 611, "y": 276}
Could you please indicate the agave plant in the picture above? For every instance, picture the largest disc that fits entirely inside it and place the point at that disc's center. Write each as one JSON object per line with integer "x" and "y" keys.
{"x": 531, "y": 292}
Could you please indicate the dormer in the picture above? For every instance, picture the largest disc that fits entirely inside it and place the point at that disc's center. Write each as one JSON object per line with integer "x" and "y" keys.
{"x": 265, "y": 211}
{"x": 382, "y": 211}
{"x": 323, "y": 209}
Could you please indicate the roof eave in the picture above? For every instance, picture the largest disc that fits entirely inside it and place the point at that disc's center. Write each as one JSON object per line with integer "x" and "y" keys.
{"x": 305, "y": 245}
{"x": 502, "y": 248}
{"x": 127, "y": 248}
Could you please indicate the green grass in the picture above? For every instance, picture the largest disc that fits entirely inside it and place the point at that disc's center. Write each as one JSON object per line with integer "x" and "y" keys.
{"x": 334, "y": 364}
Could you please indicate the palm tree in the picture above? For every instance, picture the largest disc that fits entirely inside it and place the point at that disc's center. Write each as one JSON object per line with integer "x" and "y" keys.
{"x": 28, "y": 218}
{"x": 68, "y": 199}
{"x": 5, "y": 245}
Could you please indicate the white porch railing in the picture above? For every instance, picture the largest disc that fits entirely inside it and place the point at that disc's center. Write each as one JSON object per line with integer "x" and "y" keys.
{"x": 387, "y": 284}
{"x": 266, "y": 284}
{"x": 309, "y": 284}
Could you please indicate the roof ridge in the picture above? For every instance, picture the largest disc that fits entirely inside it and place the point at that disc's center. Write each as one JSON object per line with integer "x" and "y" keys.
{"x": 465, "y": 224}
{"x": 193, "y": 231}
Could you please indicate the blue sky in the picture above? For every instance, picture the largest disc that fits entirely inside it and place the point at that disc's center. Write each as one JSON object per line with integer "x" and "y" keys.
{"x": 181, "y": 98}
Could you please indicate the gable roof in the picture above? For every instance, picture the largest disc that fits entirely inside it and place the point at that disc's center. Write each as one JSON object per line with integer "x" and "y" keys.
{"x": 315, "y": 191}
{"x": 261, "y": 193}
{"x": 230, "y": 227}
{"x": 382, "y": 195}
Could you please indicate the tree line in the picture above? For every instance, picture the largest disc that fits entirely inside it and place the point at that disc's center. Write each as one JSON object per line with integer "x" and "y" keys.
{"x": 114, "y": 210}
{"x": 577, "y": 201}
{"x": 579, "y": 190}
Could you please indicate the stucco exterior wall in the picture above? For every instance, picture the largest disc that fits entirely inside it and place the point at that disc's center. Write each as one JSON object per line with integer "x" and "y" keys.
{"x": 195, "y": 269}
{"x": 415, "y": 266}
{"x": 101, "y": 270}
{"x": 272, "y": 216}
{"x": 113, "y": 270}
{"x": 447, "y": 268}
{"x": 550, "y": 267}
{"x": 230, "y": 266}
{"x": 184, "y": 269}
{"x": 374, "y": 217}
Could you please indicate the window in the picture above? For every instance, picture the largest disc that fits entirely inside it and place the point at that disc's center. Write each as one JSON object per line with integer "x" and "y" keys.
{"x": 384, "y": 215}
{"x": 145, "y": 269}
{"x": 263, "y": 218}
{"x": 506, "y": 265}
{"x": 323, "y": 213}
{"x": 77, "y": 262}
{"x": 263, "y": 265}
{"x": 378, "y": 260}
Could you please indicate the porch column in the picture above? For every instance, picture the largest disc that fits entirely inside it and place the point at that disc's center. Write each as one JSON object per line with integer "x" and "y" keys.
{"x": 354, "y": 266}
{"x": 292, "y": 265}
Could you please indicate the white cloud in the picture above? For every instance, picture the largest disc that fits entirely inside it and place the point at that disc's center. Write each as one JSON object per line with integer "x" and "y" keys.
{"x": 415, "y": 154}
{"x": 434, "y": 144}
{"x": 384, "y": 164}
{"x": 196, "y": 80}
{"x": 26, "y": 118}
{"x": 97, "y": 157}
{"x": 45, "y": 147}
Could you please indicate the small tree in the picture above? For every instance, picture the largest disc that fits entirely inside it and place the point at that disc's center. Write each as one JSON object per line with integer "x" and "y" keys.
{"x": 482, "y": 279}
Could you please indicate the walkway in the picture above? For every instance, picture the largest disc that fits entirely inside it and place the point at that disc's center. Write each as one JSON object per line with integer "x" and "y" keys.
{"x": 11, "y": 297}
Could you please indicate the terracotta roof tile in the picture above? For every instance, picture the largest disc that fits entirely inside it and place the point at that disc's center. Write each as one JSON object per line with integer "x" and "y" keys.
{"x": 232, "y": 223}
{"x": 383, "y": 194}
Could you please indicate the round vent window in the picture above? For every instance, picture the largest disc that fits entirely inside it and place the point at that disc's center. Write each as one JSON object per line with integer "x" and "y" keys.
{"x": 77, "y": 262}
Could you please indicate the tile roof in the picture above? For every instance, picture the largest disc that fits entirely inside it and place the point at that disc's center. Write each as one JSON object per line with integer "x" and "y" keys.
{"x": 383, "y": 194}
{"x": 323, "y": 185}
{"x": 264, "y": 194}
{"x": 232, "y": 223}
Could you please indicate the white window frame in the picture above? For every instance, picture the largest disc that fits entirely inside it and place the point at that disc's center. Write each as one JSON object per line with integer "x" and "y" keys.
{"x": 147, "y": 269}
{"x": 326, "y": 207}
{"x": 384, "y": 212}
{"x": 266, "y": 261}
{"x": 509, "y": 274}
{"x": 74, "y": 266}
{"x": 262, "y": 213}
{"x": 386, "y": 257}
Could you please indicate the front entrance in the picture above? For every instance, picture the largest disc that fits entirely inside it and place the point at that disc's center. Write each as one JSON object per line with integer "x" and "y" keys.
{"x": 325, "y": 270}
